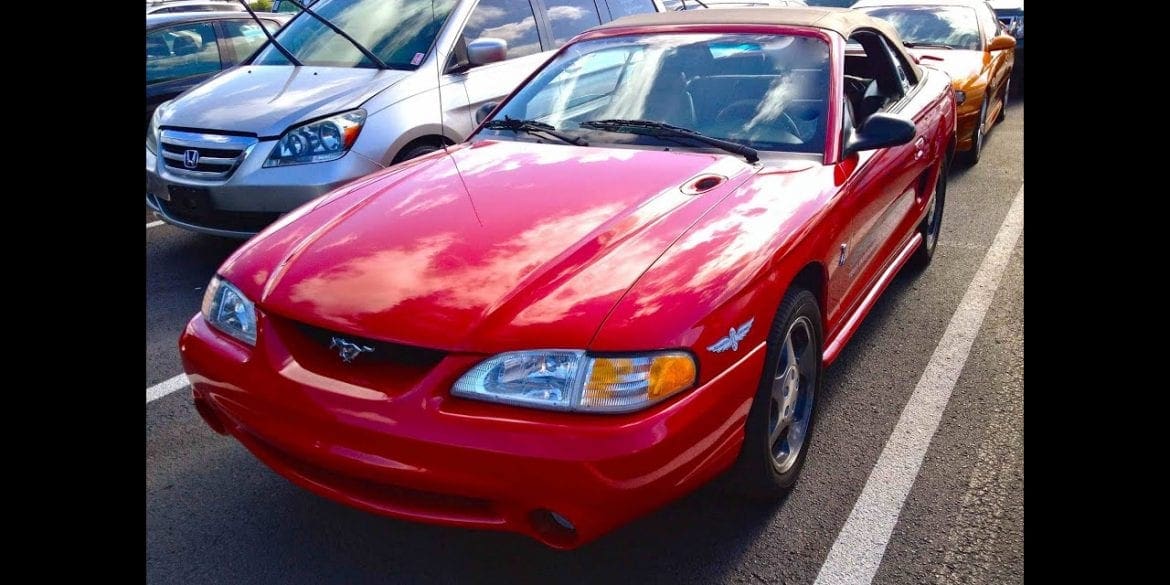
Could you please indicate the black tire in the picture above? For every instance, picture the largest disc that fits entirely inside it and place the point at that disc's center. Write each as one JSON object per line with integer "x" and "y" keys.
{"x": 417, "y": 151}
{"x": 931, "y": 225}
{"x": 978, "y": 136}
{"x": 757, "y": 472}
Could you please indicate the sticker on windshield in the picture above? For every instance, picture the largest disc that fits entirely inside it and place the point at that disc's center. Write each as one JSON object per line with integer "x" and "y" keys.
{"x": 418, "y": 57}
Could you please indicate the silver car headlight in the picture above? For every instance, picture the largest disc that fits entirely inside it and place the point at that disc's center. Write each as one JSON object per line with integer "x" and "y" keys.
{"x": 318, "y": 141}
{"x": 557, "y": 379}
{"x": 228, "y": 310}
{"x": 152, "y": 130}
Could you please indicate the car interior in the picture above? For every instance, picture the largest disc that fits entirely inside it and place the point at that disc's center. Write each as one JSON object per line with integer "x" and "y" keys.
{"x": 175, "y": 53}
{"x": 871, "y": 81}
{"x": 772, "y": 97}
{"x": 735, "y": 92}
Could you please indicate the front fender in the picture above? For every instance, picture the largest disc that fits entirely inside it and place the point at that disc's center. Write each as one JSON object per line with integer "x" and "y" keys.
{"x": 732, "y": 266}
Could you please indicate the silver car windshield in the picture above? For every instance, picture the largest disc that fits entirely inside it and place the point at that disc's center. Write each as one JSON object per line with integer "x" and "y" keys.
{"x": 765, "y": 91}
{"x": 399, "y": 32}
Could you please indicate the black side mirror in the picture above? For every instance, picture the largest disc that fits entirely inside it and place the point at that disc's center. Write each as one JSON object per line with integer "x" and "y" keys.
{"x": 881, "y": 131}
{"x": 484, "y": 110}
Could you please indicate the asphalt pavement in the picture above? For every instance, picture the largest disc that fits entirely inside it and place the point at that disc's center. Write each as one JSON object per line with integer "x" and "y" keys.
{"x": 215, "y": 514}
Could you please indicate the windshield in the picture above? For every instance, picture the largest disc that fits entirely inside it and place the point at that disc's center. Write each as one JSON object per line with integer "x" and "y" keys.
{"x": 399, "y": 32}
{"x": 765, "y": 91}
{"x": 952, "y": 26}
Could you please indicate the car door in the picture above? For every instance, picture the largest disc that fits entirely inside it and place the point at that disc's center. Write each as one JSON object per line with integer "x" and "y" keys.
{"x": 179, "y": 57}
{"x": 881, "y": 195}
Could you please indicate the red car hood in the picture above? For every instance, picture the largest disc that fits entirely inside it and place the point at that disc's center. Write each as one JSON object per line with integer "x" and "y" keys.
{"x": 494, "y": 246}
{"x": 961, "y": 65}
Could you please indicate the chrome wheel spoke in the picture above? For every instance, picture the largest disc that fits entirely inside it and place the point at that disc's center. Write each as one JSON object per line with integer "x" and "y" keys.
{"x": 789, "y": 351}
{"x": 806, "y": 364}
{"x": 777, "y": 432}
{"x": 779, "y": 391}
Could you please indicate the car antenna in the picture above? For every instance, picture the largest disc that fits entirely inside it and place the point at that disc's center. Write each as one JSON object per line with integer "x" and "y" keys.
{"x": 440, "y": 65}
{"x": 283, "y": 51}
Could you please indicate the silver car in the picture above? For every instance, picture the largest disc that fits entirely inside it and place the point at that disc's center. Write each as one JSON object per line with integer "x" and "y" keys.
{"x": 231, "y": 155}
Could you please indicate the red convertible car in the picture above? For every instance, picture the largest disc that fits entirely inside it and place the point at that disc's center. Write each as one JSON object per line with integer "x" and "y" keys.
{"x": 626, "y": 283}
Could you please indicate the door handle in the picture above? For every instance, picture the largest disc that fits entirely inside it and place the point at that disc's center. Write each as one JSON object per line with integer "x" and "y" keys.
{"x": 919, "y": 148}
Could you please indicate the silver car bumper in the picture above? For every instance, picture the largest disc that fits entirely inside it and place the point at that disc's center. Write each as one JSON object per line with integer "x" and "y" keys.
{"x": 252, "y": 197}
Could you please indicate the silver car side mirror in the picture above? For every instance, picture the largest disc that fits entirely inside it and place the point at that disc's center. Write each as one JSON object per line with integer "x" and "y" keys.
{"x": 486, "y": 50}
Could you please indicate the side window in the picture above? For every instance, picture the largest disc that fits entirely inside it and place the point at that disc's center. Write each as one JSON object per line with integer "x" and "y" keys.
{"x": 899, "y": 66}
{"x": 566, "y": 18}
{"x": 620, "y": 8}
{"x": 244, "y": 37}
{"x": 510, "y": 20}
{"x": 991, "y": 25}
{"x": 181, "y": 51}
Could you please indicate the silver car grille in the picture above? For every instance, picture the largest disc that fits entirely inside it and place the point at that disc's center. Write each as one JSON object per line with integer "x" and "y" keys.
{"x": 203, "y": 156}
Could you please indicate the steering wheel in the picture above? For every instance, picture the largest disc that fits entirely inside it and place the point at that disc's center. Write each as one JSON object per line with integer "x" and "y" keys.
{"x": 746, "y": 110}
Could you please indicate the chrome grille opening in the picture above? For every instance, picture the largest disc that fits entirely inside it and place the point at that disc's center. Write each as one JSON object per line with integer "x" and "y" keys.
{"x": 203, "y": 156}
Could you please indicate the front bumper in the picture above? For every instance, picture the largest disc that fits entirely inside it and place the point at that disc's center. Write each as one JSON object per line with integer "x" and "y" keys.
{"x": 249, "y": 199}
{"x": 417, "y": 453}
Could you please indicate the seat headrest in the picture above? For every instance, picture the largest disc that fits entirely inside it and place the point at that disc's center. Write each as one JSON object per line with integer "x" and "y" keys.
{"x": 185, "y": 45}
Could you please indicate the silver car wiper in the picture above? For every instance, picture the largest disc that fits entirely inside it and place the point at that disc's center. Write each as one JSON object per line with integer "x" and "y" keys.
{"x": 660, "y": 129}
{"x": 283, "y": 51}
{"x": 325, "y": 21}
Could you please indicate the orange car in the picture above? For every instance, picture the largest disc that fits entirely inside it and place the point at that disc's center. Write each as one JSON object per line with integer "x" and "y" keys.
{"x": 963, "y": 38}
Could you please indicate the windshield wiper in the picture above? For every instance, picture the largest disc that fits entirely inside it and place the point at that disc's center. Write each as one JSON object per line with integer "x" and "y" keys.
{"x": 283, "y": 51}
{"x": 652, "y": 128}
{"x": 926, "y": 45}
{"x": 532, "y": 127}
{"x": 368, "y": 53}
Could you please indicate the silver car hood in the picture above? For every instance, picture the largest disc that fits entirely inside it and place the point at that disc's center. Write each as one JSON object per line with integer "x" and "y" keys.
{"x": 266, "y": 100}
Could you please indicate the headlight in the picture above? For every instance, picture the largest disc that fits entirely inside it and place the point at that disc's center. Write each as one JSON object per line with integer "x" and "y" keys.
{"x": 228, "y": 310}
{"x": 960, "y": 96}
{"x": 152, "y": 131}
{"x": 319, "y": 141}
{"x": 571, "y": 380}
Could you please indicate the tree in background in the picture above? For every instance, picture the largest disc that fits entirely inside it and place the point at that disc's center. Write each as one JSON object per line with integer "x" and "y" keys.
{"x": 261, "y": 5}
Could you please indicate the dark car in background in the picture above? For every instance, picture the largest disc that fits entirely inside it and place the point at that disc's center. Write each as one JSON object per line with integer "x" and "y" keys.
{"x": 1011, "y": 14}
{"x": 184, "y": 49}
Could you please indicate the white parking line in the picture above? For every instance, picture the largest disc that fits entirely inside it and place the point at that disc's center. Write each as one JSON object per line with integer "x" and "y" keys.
{"x": 155, "y": 224}
{"x": 166, "y": 387}
{"x": 858, "y": 550}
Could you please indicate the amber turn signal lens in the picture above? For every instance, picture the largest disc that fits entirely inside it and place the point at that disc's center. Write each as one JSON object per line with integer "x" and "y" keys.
{"x": 670, "y": 374}
{"x": 630, "y": 383}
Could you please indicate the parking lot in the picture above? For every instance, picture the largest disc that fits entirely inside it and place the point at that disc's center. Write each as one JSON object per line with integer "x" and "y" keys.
{"x": 215, "y": 514}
